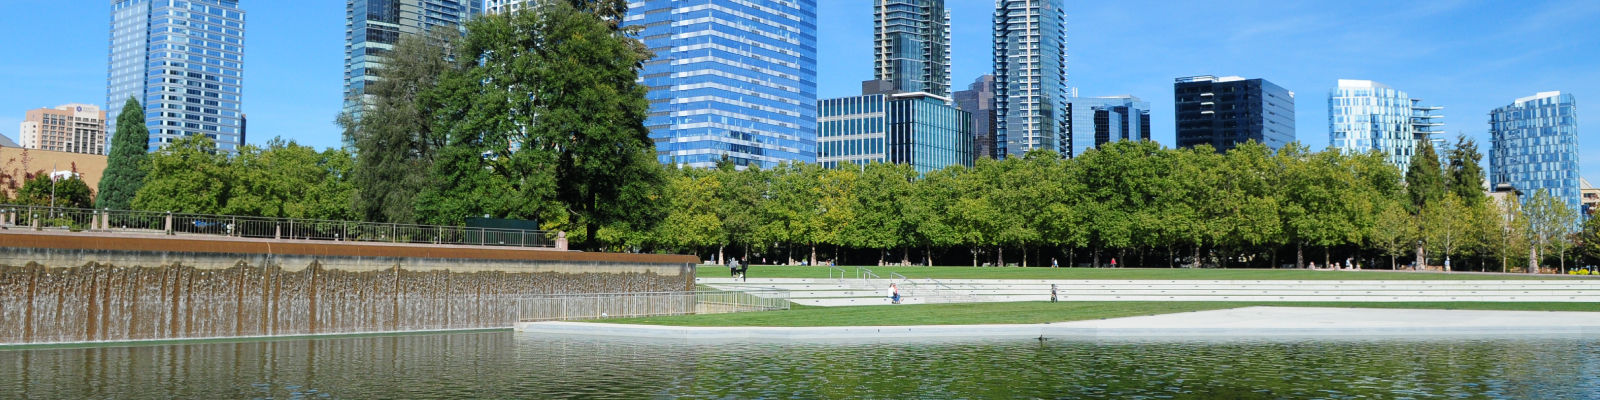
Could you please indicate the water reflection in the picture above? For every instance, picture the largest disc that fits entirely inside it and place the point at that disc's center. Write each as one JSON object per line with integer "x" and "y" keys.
{"x": 509, "y": 365}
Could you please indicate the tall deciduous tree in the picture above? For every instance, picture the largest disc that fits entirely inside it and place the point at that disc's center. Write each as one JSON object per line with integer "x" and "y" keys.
{"x": 1589, "y": 242}
{"x": 1549, "y": 221}
{"x": 546, "y": 115}
{"x": 128, "y": 163}
{"x": 188, "y": 176}
{"x": 1445, "y": 223}
{"x": 43, "y": 190}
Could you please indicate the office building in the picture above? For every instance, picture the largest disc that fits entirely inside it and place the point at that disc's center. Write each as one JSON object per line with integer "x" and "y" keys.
{"x": 919, "y": 129}
{"x": 184, "y": 62}
{"x": 505, "y": 6}
{"x": 1227, "y": 111}
{"x": 730, "y": 78}
{"x": 1095, "y": 121}
{"x": 1030, "y": 73}
{"x": 1366, "y": 116}
{"x": 1534, "y": 146}
{"x": 978, "y": 100}
{"x": 912, "y": 45}
{"x": 1591, "y": 198}
{"x": 372, "y": 27}
{"x": 72, "y": 128}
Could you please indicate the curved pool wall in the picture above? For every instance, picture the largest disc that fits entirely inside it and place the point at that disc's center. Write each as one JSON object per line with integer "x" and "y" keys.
{"x": 65, "y": 288}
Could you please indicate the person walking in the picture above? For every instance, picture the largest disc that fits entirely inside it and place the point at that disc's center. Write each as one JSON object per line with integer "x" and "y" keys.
{"x": 733, "y": 267}
{"x": 744, "y": 270}
{"x": 1054, "y": 263}
{"x": 1113, "y": 262}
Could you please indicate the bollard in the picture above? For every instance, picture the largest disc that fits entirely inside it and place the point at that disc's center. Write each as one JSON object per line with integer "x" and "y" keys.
{"x": 561, "y": 241}
{"x": 169, "y": 223}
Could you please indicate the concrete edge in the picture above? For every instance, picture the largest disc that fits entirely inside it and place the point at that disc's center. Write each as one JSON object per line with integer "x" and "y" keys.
{"x": 1021, "y": 331}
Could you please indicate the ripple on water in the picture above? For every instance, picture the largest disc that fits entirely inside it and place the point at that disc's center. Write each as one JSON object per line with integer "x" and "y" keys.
{"x": 508, "y": 365}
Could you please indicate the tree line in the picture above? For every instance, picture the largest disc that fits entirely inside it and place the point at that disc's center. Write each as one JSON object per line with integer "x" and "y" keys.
{"x": 539, "y": 115}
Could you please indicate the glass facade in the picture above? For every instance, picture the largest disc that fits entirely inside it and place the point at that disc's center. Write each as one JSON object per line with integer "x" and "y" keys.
{"x": 184, "y": 61}
{"x": 733, "y": 78}
{"x": 1368, "y": 116}
{"x": 978, "y": 99}
{"x": 1095, "y": 121}
{"x": 1227, "y": 111}
{"x": 1030, "y": 73}
{"x": 922, "y": 130}
{"x": 912, "y": 45}
{"x": 373, "y": 26}
{"x": 1534, "y": 146}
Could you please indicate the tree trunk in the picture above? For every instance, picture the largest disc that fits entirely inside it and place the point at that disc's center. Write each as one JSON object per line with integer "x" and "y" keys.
{"x": 974, "y": 251}
{"x": 1391, "y": 262}
{"x": 1422, "y": 257}
{"x": 1533, "y": 259}
{"x": 1196, "y": 253}
{"x": 1327, "y": 259}
{"x": 927, "y": 256}
{"x": 721, "y": 259}
{"x": 1024, "y": 255}
{"x": 1169, "y": 257}
{"x": 999, "y": 256}
{"x": 1097, "y": 256}
{"x": 1300, "y": 255}
{"x": 905, "y": 255}
{"x": 813, "y": 254}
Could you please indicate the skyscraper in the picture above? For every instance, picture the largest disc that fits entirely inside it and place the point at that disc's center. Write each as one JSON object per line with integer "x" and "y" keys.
{"x": 1534, "y": 145}
{"x": 1095, "y": 121}
{"x": 183, "y": 61}
{"x": 72, "y": 128}
{"x": 505, "y": 6}
{"x": 912, "y": 45}
{"x": 1230, "y": 110}
{"x": 730, "y": 78}
{"x": 978, "y": 99}
{"x": 372, "y": 27}
{"x": 1030, "y": 77}
{"x": 1364, "y": 116}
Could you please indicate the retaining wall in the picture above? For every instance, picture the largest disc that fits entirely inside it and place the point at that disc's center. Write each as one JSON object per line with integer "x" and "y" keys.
{"x": 75, "y": 287}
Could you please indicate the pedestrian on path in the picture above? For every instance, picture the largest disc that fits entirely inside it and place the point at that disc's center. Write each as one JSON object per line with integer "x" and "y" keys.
{"x": 1113, "y": 262}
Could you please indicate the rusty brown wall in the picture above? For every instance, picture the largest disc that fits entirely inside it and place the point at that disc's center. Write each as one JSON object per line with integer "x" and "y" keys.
{"x": 66, "y": 289}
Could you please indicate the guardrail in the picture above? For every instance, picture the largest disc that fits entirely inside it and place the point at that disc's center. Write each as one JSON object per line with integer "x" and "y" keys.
{"x": 150, "y": 222}
{"x": 832, "y": 269}
{"x": 562, "y": 307}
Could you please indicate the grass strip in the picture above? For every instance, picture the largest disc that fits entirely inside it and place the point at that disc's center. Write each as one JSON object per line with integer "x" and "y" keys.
{"x": 1030, "y": 312}
{"x": 785, "y": 271}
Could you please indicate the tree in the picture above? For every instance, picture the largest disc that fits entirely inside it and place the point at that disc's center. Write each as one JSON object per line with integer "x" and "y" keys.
{"x": 880, "y": 208}
{"x": 128, "y": 162}
{"x": 1466, "y": 175}
{"x": 691, "y": 221}
{"x": 545, "y": 113}
{"x": 1549, "y": 222}
{"x": 1589, "y": 242}
{"x": 287, "y": 180}
{"x": 43, "y": 190}
{"x": 188, "y": 176}
{"x": 1396, "y": 231}
{"x": 393, "y": 134}
{"x": 1444, "y": 223}
{"x": 1424, "y": 184}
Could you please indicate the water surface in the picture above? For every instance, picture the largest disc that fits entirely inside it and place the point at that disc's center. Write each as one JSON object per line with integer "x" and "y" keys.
{"x": 512, "y": 365}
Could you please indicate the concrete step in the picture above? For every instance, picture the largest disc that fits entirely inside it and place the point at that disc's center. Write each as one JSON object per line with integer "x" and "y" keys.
{"x": 1373, "y": 299}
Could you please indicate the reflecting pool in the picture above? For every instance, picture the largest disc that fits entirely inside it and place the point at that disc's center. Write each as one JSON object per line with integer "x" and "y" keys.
{"x": 512, "y": 365}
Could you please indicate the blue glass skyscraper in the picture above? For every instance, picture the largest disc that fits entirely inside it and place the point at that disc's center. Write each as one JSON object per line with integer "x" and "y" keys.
{"x": 1368, "y": 116}
{"x": 1534, "y": 146}
{"x": 735, "y": 78}
{"x": 184, "y": 61}
{"x": 912, "y": 45}
{"x": 372, "y": 27}
{"x": 1095, "y": 121}
{"x": 1030, "y": 77}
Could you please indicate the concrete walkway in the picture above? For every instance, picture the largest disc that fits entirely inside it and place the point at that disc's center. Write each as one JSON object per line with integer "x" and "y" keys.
{"x": 1261, "y": 322}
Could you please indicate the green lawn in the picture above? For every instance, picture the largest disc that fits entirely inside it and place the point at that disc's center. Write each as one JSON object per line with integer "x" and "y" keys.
{"x": 1027, "y": 312}
{"x": 768, "y": 271}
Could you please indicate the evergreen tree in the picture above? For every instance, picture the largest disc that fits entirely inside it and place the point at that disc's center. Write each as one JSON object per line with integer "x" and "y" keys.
{"x": 1466, "y": 174}
{"x": 1424, "y": 180}
{"x": 128, "y": 162}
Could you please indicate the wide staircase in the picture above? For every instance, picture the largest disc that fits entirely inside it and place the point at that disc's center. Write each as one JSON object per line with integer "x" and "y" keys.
{"x": 864, "y": 289}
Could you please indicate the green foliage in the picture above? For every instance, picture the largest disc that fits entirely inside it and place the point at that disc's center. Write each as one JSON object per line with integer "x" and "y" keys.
{"x": 394, "y": 137}
{"x": 187, "y": 176}
{"x": 283, "y": 180}
{"x": 1424, "y": 180}
{"x": 1589, "y": 242}
{"x": 128, "y": 162}
{"x": 543, "y": 116}
{"x": 1466, "y": 177}
{"x": 41, "y": 190}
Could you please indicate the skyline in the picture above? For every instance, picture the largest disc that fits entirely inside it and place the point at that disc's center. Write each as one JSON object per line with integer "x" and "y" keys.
{"x": 1469, "y": 57}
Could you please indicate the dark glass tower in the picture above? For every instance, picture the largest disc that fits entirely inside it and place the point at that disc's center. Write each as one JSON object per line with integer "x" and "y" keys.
{"x": 912, "y": 45}
{"x": 373, "y": 26}
{"x": 1227, "y": 111}
{"x": 978, "y": 99}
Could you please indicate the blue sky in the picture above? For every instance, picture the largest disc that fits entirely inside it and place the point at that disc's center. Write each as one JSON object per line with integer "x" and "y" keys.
{"x": 1467, "y": 56}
